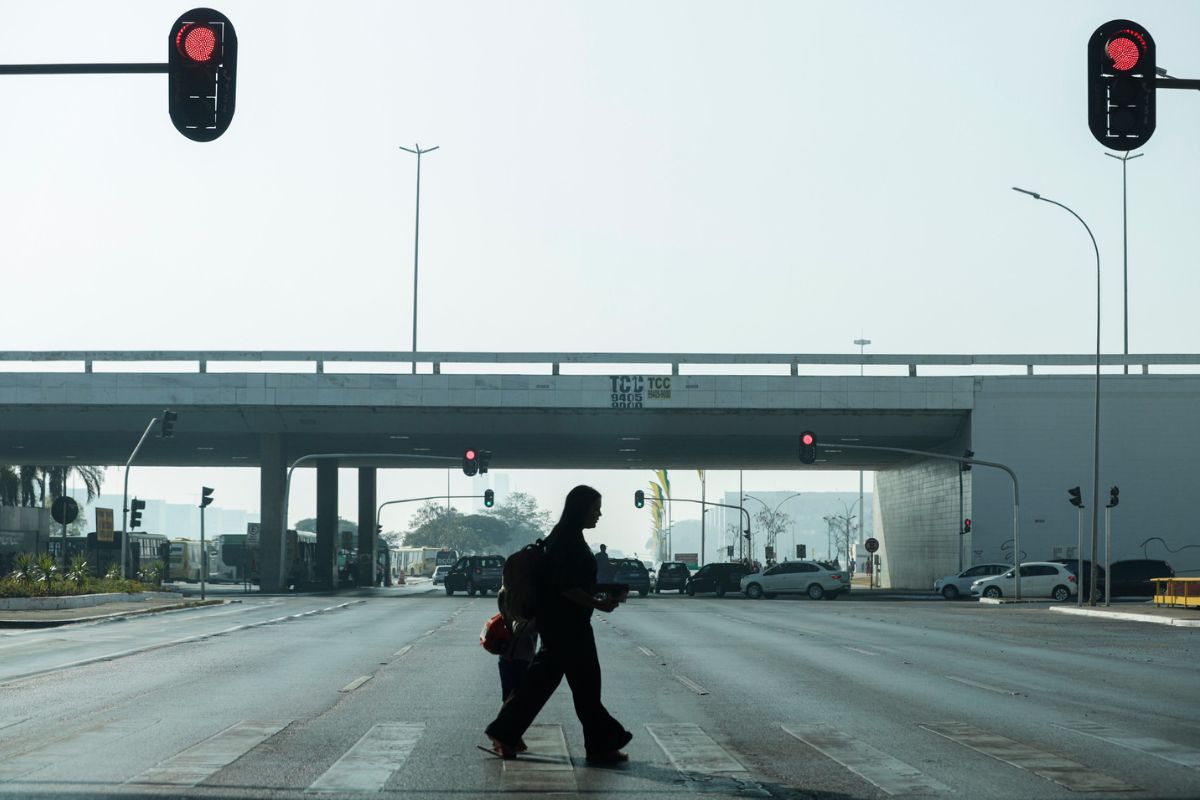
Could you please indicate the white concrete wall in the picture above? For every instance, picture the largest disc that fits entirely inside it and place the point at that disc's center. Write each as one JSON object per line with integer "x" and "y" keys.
{"x": 917, "y": 522}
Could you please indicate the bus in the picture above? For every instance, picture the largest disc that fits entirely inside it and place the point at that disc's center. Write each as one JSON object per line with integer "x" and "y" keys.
{"x": 183, "y": 563}
{"x": 228, "y": 558}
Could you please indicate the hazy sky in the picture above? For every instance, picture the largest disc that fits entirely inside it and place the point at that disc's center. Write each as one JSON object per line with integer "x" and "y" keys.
{"x": 618, "y": 176}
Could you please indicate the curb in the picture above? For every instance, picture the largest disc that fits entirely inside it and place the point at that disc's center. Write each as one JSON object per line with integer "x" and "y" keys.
{"x": 1087, "y": 612}
{"x": 54, "y": 623}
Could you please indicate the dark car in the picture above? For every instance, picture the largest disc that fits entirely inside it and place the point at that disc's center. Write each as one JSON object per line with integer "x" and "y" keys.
{"x": 632, "y": 572}
{"x": 473, "y": 574}
{"x": 672, "y": 575}
{"x": 1131, "y": 578}
{"x": 717, "y": 578}
{"x": 1086, "y": 581}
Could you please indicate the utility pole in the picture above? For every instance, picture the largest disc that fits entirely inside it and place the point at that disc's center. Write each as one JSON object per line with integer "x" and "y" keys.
{"x": 416, "y": 242}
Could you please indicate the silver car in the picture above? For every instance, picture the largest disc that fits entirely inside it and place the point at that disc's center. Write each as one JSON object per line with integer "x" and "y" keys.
{"x": 797, "y": 577}
{"x": 953, "y": 587}
{"x": 439, "y": 574}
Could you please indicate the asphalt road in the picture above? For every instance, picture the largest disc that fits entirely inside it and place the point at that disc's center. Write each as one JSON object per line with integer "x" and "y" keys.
{"x": 387, "y": 694}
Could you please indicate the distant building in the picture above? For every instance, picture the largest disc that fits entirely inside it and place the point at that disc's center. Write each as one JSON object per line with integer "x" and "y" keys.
{"x": 173, "y": 520}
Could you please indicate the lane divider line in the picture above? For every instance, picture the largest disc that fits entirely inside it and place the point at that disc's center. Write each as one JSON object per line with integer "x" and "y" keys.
{"x": 860, "y": 650}
{"x": 979, "y": 685}
{"x": 691, "y": 684}
{"x": 354, "y": 684}
{"x": 402, "y": 651}
{"x": 646, "y": 651}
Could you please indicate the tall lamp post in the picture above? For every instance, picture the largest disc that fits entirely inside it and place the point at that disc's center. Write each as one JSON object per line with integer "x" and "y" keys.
{"x": 1124, "y": 159}
{"x": 416, "y": 242}
{"x": 772, "y": 512}
{"x": 1096, "y": 413}
{"x": 862, "y": 343}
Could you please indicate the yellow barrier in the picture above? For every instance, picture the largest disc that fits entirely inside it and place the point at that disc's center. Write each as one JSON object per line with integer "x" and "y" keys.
{"x": 1177, "y": 592}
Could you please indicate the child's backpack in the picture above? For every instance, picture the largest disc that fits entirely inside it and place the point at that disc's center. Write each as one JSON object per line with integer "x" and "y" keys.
{"x": 522, "y": 571}
{"x": 496, "y": 635}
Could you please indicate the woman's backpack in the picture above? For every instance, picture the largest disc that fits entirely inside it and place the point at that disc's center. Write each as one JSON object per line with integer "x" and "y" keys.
{"x": 522, "y": 571}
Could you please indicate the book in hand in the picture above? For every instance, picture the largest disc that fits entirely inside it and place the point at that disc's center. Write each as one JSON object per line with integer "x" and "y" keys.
{"x": 617, "y": 591}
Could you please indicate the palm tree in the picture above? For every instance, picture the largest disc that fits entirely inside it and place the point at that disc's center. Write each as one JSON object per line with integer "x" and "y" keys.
{"x": 92, "y": 477}
{"x": 26, "y": 485}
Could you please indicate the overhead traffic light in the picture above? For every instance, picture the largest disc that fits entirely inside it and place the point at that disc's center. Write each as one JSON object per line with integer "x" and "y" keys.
{"x": 808, "y": 447}
{"x": 135, "y": 512}
{"x": 967, "y": 525}
{"x": 201, "y": 74}
{"x": 1113, "y": 498}
{"x": 470, "y": 463}
{"x": 205, "y": 496}
{"x": 1076, "y": 498}
{"x": 484, "y": 457}
{"x": 1121, "y": 76}
{"x": 168, "y": 424}
{"x": 489, "y": 498}
{"x": 639, "y": 499}
{"x": 801, "y": 551}
{"x": 966, "y": 454}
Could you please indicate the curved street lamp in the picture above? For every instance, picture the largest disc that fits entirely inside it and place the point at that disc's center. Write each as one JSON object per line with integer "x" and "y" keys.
{"x": 772, "y": 513}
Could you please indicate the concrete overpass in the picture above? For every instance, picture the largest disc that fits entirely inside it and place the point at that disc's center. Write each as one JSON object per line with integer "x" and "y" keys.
{"x": 637, "y": 411}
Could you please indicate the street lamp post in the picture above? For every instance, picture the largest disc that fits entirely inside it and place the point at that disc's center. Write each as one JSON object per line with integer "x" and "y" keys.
{"x": 168, "y": 417}
{"x": 772, "y": 513}
{"x": 416, "y": 242}
{"x": 862, "y": 343}
{"x": 1124, "y": 159}
{"x": 1096, "y": 412}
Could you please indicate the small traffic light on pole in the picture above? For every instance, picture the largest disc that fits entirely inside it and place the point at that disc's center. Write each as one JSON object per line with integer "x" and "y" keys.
{"x": 135, "y": 513}
{"x": 967, "y": 525}
{"x": 639, "y": 499}
{"x": 168, "y": 424}
{"x": 205, "y": 496}
{"x": 1113, "y": 497}
{"x": 484, "y": 457}
{"x": 470, "y": 461}
{"x": 808, "y": 447}
{"x": 201, "y": 74}
{"x": 966, "y": 467}
{"x": 489, "y": 498}
{"x": 1121, "y": 83}
{"x": 1076, "y": 497}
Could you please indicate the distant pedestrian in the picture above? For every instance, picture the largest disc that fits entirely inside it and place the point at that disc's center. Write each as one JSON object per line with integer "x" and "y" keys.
{"x": 567, "y": 598}
{"x": 603, "y": 566}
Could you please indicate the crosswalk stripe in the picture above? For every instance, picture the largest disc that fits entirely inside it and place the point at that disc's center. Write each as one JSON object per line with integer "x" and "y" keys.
{"x": 95, "y": 739}
{"x": 545, "y": 767}
{"x": 206, "y": 758}
{"x": 889, "y": 774}
{"x": 692, "y": 750}
{"x": 1178, "y": 753}
{"x": 367, "y": 765}
{"x": 1053, "y": 767}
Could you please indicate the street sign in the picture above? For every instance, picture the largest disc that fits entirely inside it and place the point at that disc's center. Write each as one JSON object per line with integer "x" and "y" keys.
{"x": 64, "y": 510}
{"x": 871, "y": 544}
{"x": 252, "y": 529}
{"x": 691, "y": 559}
{"x": 104, "y": 524}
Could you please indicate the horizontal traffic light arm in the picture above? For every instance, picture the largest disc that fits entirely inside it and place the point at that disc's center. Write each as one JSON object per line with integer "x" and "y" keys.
{"x": 82, "y": 69}
{"x": 379, "y": 510}
{"x": 710, "y": 503}
{"x": 1176, "y": 83}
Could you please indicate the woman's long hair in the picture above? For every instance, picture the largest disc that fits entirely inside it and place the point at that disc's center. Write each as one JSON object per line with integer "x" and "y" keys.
{"x": 578, "y": 505}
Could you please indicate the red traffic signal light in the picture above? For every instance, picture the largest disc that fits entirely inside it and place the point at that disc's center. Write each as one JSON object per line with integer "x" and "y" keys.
{"x": 202, "y": 74}
{"x": 967, "y": 525}
{"x": 1121, "y": 83}
{"x": 470, "y": 461}
{"x": 808, "y": 447}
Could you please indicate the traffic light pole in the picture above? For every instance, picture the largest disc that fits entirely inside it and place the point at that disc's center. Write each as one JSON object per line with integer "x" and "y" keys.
{"x": 1079, "y": 555}
{"x": 82, "y": 69}
{"x": 203, "y": 555}
{"x": 703, "y": 503}
{"x": 379, "y": 510}
{"x": 125, "y": 499}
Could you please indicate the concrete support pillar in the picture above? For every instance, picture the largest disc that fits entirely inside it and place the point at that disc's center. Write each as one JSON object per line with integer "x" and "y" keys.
{"x": 272, "y": 476}
{"x": 327, "y": 520}
{"x": 367, "y": 537}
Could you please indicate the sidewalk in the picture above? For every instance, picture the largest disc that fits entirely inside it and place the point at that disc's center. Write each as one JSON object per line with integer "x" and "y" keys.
{"x": 50, "y": 618}
{"x": 1137, "y": 612}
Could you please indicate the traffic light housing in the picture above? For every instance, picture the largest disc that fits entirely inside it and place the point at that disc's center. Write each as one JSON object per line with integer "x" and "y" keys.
{"x": 135, "y": 513}
{"x": 1076, "y": 498}
{"x": 168, "y": 424}
{"x": 489, "y": 498}
{"x": 801, "y": 551}
{"x": 639, "y": 499}
{"x": 808, "y": 447}
{"x": 1121, "y": 77}
{"x": 967, "y": 525}
{"x": 1113, "y": 496}
{"x": 201, "y": 74}
{"x": 470, "y": 461}
{"x": 967, "y": 454}
{"x": 484, "y": 457}
{"x": 205, "y": 496}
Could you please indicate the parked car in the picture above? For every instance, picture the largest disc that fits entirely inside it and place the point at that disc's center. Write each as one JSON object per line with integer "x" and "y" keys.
{"x": 632, "y": 572}
{"x": 1085, "y": 581}
{"x": 813, "y": 578}
{"x": 718, "y": 578}
{"x": 1038, "y": 579}
{"x": 652, "y": 569}
{"x": 439, "y": 574}
{"x": 1131, "y": 578}
{"x": 672, "y": 575}
{"x": 952, "y": 587}
{"x": 473, "y": 574}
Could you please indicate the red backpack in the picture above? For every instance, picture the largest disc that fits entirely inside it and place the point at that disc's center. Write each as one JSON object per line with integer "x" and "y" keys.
{"x": 496, "y": 635}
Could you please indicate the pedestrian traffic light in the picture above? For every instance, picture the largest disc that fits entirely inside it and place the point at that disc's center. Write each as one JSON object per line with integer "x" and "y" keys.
{"x": 205, "y": 496}
{"x": 201, "y": 74}
{"x": 639, "y": 499}
{"x": 967, "y": 454}
{"x": 1076, "y": 498}
{"x": 1113, "y": 498}
{"x": 967, "y": 525}
{"x": 1121, "y": 76}
{"x": 484, "y": 457}
{"x": 135, "y": 512}
{"x": 378, "y": 530}
{"x": 470, "y": 462}
{"x": 168, "y": 424}
{"x": 489, "y": 498}
{"x": 808, "y": 447}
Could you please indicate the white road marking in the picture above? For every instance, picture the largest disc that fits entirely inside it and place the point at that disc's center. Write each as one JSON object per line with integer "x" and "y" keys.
{"x": 978, "y": 685}
{"x": 354, "y": 684}
{"x": 1053, "y": 767}
{"x": 646, "y": 651}
{"x": 368, "y": 765}
{"x": 692, "y": 750}
{"x": 691, "y": 684}
{"x": 889, "y": 774}
{"x": 860, "y": 650}
{"x": 206, "y": 758}
{"x": 98, "y": 738}
{"x": 545, "y": 767}
{"x": 402, "y": 651}
{"x": 1178, "y": 753}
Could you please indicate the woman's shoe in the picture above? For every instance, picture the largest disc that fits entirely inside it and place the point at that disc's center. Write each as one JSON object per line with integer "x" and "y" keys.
{"x": 608, "y": 757}
{"x": 505, "y": 751}
{"x": 520, "y": 746}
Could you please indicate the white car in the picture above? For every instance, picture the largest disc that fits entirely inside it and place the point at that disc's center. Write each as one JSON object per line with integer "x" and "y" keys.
{"x": 952, "y": 587}
{"x": 439, "y": 574}
{"x": 796, "y": 577}
{"x": 1038, "y": 579}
